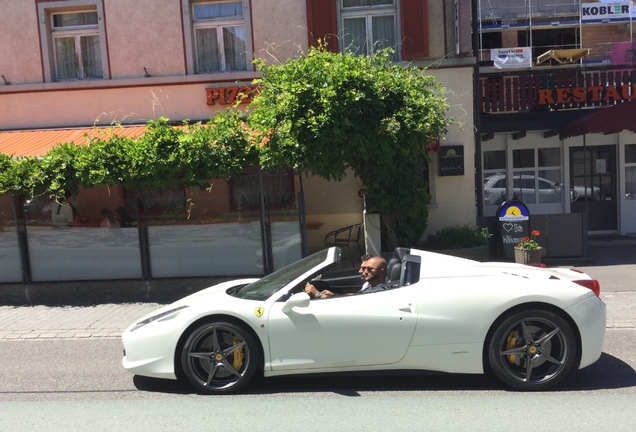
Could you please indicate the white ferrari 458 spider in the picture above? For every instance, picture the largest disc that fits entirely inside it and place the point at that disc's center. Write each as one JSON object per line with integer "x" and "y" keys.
{"x": 530, "y": 327}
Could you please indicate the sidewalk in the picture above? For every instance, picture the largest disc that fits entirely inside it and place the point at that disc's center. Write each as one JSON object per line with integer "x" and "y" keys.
{"x": 612, "y": 260}
{"x": 110, "y": 320}
{"x": 69, "y": 322}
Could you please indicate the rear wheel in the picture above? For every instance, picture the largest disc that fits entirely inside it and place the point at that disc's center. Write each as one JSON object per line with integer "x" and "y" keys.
{"x": 219, "y": 357}
{"x": 532, "y": 350}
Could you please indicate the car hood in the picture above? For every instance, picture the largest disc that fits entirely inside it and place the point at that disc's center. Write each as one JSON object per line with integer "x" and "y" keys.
{"x": 200, "y": 301}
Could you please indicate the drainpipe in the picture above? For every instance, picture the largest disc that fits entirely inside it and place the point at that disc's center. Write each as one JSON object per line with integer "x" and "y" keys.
{"x": 477, "y": 109}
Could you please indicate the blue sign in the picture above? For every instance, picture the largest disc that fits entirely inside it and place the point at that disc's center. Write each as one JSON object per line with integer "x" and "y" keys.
{"x": 513, "y": 224}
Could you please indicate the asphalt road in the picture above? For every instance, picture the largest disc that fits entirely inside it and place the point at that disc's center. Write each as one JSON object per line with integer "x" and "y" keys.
{"x": 79, "y": 385}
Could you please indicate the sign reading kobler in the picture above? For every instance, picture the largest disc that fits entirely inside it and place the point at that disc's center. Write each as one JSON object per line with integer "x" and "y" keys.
{"x": 604, "y": 11}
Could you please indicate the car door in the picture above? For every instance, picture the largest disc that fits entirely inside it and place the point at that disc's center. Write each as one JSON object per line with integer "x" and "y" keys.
{"x": 341, "y": 332}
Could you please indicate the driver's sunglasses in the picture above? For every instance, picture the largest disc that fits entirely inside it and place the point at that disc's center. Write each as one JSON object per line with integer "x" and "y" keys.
{"x": 365, "y": 268}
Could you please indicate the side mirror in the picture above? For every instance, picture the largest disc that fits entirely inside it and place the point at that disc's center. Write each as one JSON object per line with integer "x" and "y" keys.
{"x": 297, "y": 300}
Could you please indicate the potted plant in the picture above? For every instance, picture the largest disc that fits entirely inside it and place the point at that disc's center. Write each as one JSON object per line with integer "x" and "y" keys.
{"x": 528, "y": 250}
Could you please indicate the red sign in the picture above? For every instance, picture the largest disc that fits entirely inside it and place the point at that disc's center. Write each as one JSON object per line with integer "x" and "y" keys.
{"x": 230, "y": 95}
{"x": 565, "y": 95}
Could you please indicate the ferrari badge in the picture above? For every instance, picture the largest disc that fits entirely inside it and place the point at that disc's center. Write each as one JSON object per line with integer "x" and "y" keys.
{"x": 258, "y": 311}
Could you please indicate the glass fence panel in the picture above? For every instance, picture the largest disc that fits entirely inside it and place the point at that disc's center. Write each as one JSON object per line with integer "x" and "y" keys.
{"x": 286, "y": 247}
{"x": 10, "y": 267}
{"x": 217, "y": 232}
{"x": 95, "y": 233}
{"x": 84, "y": 253}
{"x": 84, "y": 236}
{"x": 218, "y": 249}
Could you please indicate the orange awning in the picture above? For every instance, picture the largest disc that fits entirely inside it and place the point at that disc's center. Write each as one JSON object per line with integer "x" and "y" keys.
{"x": 38, "y": 142}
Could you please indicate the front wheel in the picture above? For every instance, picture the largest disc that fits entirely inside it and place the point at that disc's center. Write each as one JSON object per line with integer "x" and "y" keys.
{"x": 532, "y": 350}
{"x": 219, "y": 357}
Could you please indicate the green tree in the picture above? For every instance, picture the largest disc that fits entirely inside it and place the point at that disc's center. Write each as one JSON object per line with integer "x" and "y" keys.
{"x": 324, "y": 112}
{"x": 18, "y": 174}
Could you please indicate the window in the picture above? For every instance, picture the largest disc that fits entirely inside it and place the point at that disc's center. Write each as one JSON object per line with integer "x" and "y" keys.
{"x": 630, "y": 171}
{"x": 494, "y": 177}
{"x": 536, "y": 176}
{"x": 367, "y": 26}
{"x": 76, "y": 46}
{"x": 219, "y": 37}
{"x": 73, "y": 40}
{"x": 540, "y": 174}
{"x": 278, "y": 186}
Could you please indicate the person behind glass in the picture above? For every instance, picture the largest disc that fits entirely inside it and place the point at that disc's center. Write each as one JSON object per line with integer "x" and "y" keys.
{"x": 372, "y": 271}
{"x": 61, "y": 212}
{"x": 108, "y": 219}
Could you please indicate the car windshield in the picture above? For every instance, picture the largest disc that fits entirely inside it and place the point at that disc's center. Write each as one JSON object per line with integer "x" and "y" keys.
{"x": 265, "y": 287}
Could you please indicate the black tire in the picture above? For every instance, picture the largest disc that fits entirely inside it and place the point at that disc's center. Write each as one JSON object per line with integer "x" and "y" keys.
{"x": 532, "y": 350}
{"x": 219, "y": 357}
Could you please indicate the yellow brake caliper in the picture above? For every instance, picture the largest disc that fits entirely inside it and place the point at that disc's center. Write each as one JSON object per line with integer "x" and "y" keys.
{"x": 239, "y": 355}
{"x": 510, "y": 344}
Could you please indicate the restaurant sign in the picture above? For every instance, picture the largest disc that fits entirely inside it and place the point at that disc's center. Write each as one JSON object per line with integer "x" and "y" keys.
{"x": 568, "y": 95}
{"x": 230, "y": 95}
{"x": 451, "y": 160}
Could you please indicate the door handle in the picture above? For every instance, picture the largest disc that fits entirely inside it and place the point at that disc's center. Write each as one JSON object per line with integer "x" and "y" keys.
{"x": 406, "y": 308}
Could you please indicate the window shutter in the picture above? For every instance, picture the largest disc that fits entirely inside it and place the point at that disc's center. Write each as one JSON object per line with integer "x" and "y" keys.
{"x": 322, "y": 24}
{"x": 414, "y": 20}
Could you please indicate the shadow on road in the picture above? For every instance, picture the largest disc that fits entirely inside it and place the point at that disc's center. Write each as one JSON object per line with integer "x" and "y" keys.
{"x": 607, "y": 373}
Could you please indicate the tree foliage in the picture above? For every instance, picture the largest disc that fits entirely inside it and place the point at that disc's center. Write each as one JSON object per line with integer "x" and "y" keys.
{"x": 322, "y": 113}
{"x": 187, "y": 154}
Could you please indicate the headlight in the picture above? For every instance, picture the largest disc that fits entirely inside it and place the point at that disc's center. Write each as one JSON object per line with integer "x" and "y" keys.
{"x": 157, "y": 317}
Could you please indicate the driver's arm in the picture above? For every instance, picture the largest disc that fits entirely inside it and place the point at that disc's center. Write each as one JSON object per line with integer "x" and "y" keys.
{"x": 314, "y": 293}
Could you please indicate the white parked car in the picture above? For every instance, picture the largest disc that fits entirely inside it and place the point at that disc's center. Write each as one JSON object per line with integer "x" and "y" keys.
{"x": 524, "y": 190}
{"x": 529, "y": 326}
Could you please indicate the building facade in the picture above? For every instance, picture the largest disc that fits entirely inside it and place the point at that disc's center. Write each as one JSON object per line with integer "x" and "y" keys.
{"x": 73, "y": 68}
{"x": 546, "y": 72}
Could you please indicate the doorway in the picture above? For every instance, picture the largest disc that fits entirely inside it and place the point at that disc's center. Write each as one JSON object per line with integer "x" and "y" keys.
{"x": 594, "y": 187}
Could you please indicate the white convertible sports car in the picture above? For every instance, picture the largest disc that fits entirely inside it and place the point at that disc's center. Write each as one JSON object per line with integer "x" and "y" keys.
{"x": 529, "y": 326}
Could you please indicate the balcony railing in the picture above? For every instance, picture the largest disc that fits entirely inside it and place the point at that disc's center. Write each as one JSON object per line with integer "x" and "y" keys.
{"x": 557, "y": 89}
